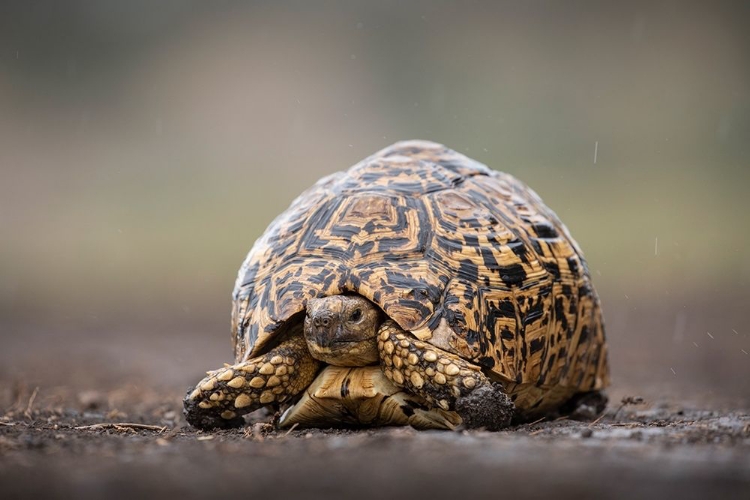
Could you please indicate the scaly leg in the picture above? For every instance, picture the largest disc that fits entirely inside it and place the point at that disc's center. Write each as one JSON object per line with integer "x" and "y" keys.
{"x": 443, "y": 379}
{"x": 220, "y": 399}
{"x": 585, "y": 405}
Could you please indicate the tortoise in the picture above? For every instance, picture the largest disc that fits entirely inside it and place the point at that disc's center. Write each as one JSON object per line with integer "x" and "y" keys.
{"x": 419, "y": 287}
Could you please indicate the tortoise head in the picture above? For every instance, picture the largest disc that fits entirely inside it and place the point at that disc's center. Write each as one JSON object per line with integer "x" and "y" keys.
{"x": 341, "y": 330}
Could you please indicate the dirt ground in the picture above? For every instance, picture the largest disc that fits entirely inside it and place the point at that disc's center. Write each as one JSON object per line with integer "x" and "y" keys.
{"x": 118, "y": 445}
{"x": 96, "y": 412}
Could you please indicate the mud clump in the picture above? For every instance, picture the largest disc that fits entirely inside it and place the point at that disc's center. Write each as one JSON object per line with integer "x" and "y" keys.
{"x": 486, "y": 407}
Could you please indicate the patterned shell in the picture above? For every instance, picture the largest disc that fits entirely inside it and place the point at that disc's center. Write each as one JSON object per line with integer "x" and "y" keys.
{"x": 464, "y": 257}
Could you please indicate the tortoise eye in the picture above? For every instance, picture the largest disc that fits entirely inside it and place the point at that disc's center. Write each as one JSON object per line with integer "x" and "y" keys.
{"x": 356, "y": 315}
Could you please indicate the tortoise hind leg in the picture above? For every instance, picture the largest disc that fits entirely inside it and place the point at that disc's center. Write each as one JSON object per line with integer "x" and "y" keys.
{"x": 585, "y": 405}
{"x": 220, "y": 399}
{"x": 443, "y": 379}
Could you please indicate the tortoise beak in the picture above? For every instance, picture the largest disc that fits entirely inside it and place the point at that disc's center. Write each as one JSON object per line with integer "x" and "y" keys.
{"x": 325, "y": 327}
{"x": 326, "y": 337}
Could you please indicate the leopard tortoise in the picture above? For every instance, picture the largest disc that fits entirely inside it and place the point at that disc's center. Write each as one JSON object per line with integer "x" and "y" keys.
{"x": 417, "y": 288}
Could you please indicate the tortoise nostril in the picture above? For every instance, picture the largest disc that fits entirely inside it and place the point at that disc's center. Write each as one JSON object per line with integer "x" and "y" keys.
{"x": 322, "y": 321}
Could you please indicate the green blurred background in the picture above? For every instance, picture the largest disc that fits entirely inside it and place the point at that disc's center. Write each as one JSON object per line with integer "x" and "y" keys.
{"x": 144, "y": 146}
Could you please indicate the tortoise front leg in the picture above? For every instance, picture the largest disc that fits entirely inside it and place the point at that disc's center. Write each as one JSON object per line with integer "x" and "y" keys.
{"x": 220, "y": 399}
{"x": 443, "y": 379}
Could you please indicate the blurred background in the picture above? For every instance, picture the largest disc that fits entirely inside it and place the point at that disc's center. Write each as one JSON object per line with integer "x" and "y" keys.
{"x": 145, "y": 146}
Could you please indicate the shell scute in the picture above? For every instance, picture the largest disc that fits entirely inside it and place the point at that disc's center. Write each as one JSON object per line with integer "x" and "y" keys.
{"x": 410, "y": 294}
{"x": 366, "y": 227}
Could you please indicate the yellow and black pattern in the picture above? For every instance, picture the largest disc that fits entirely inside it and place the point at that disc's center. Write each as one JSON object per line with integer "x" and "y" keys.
{"x": 465, "y": 258}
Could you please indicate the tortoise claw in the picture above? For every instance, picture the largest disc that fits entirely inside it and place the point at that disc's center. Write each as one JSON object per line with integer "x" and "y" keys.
{"x": 205, "y": 421}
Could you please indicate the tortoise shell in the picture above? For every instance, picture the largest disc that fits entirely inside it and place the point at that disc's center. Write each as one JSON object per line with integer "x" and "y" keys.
{"x": 464, "y": 257}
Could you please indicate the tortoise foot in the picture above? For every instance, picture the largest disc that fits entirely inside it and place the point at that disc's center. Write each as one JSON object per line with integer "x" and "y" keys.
{"x": 220, "y": 399}
{"x": 199, "y": 419}
{"x": 585, "y": 405}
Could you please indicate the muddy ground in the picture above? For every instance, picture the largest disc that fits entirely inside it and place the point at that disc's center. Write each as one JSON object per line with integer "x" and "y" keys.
{"x": 69, "y": 397}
